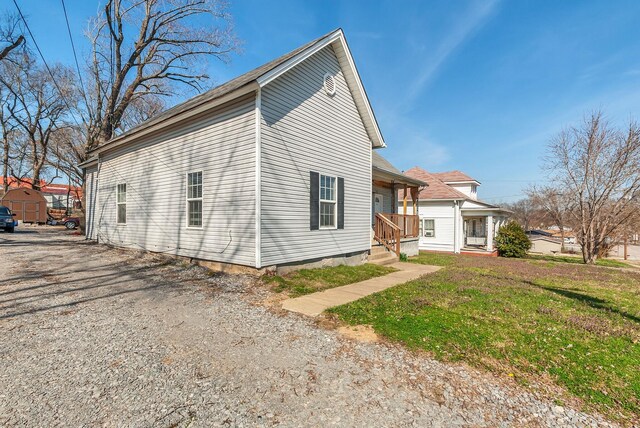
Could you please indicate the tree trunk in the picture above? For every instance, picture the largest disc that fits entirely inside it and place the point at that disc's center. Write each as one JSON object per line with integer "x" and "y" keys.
{"x": 5, "y": 165}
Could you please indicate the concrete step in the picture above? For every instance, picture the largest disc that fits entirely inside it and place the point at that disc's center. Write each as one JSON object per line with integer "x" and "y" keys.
{"x": 385, "y": 261}
{"x": 379, "y": 249}
{"x": 382, "y": 258}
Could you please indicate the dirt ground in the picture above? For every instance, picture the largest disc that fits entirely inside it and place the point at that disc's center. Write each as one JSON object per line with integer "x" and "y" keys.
{"x": 98, "y": 336}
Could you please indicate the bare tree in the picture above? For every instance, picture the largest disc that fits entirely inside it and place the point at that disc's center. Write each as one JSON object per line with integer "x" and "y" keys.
{"x": 555, "y": 204}
{"x": 11, "y": 37}
{"x": 524, "y": 212}
{"x": 597, "y": 169}
{"x": 37, "y": 108}
{"x": 7, "y": 128}
{"x": 143, "y": 50}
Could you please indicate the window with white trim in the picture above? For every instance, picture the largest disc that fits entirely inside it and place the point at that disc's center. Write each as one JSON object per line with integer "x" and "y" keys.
{"x": 428, "y": 228}
{"x": 328, "y": 201}
{"x": 194, "y": 199}
{"x": 121, "y": 204}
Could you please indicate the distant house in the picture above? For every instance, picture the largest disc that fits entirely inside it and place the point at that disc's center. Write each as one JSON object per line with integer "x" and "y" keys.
{"x": 271, "y": 169}
{"x": 541, "y": 244}
{"x": 567, "y": 236}
{"x": 451, "y": 217}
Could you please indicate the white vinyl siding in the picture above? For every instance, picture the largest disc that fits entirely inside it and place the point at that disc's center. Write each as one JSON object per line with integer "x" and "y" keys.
{"x": 221, "y": 144}
{"x": 442, "y": 215}
{"x": 467, "y": 189}
{"x": 303, "y": 130}
{"x": 91, "y": 194}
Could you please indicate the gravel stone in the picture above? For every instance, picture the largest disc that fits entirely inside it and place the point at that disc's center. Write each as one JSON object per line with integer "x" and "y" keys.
{"x": 93, "y": 335}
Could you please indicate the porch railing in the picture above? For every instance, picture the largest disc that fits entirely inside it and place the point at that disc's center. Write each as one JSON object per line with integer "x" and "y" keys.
{"x": 476, "y": 240}
{"x": 386, "y": 233}
{"x": 409, "y": 224}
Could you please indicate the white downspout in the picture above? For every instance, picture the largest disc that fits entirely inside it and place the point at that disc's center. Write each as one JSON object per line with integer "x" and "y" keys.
{"x": 258, "y": 188}
{"x": 456, "y": 227}
{"x": 490, "y": 233}
{"x": 95, "y": 222}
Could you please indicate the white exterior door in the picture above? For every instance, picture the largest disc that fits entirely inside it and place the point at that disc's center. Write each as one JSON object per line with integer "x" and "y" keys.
{"x": 377, "y": 205}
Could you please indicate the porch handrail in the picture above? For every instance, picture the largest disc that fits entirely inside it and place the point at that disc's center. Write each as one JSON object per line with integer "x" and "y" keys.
{"x": 409, "y": 224}
{"x": 387, "y": 233}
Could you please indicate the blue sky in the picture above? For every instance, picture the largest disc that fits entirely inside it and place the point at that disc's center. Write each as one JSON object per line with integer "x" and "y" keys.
{"x": 479, "y": 86}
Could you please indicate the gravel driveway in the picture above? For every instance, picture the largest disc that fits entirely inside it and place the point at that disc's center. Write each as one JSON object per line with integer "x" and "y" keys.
{"x": 100, "y": 336}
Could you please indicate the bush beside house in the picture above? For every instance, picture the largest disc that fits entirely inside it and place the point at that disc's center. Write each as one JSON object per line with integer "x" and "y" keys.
{"x": 512, "y": 241}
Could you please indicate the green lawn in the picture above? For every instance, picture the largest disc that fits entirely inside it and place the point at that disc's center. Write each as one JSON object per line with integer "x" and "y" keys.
{"x": 578, "y": 260}
{"x": 306, "y": 281}
{"x": 578, "y": 326}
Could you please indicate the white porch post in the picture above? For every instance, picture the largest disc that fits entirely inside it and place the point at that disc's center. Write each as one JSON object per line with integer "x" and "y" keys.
{"x": 457, "y": 228}
{"x": 490, "y": 233}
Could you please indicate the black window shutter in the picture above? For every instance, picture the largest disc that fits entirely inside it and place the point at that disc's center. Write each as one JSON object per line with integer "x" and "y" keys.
{"x": 314, "y": 200}
{"x": 340, "y": 203}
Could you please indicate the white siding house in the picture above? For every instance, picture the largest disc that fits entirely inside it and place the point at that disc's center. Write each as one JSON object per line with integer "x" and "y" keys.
{"x": 272, "y": 168}
{"x": 452, "y": 219}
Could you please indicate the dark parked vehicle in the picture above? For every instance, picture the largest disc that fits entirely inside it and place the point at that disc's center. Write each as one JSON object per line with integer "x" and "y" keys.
{"x": 6, "y": 219}
{"x": 70, "y": 222}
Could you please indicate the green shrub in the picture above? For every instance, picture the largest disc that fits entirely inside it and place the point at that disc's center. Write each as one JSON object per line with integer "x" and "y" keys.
{"x": 403, "y": 257}
{"x": 511, "y": 241}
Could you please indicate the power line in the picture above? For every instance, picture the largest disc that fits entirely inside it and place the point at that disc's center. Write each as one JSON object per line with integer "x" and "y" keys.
{"x": 75, "y": 56}
{"x": 55, "y": 83}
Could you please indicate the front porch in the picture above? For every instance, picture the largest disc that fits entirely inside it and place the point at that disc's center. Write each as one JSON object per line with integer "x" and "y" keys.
{"x": 397, "y": 232}
{"x": 478, "y": 232}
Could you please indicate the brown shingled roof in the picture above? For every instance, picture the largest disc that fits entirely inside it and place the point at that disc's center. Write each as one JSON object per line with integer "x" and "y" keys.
{"x": 453, "y": 176}
{"x": 436, "y": 188}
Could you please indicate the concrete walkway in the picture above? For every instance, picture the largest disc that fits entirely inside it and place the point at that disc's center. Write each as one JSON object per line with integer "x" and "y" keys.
{"x": 314, "y": 304}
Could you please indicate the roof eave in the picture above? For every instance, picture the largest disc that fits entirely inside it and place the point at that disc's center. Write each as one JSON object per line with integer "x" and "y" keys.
{"x": 441, "y": 199}
{"x": 401, "y": 178}
{"x": 88, "y": 163}
{"x": 476, "y": 182}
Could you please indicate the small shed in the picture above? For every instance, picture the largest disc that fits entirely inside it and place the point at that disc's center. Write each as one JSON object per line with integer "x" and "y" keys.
{"x": 29, "y": 205}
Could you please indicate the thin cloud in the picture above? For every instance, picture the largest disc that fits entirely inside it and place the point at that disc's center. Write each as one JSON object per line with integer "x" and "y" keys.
{"x": 466, "y": 27}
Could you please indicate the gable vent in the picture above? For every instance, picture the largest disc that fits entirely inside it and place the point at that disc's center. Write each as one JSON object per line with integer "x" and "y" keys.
{"x": 329, "y": 84}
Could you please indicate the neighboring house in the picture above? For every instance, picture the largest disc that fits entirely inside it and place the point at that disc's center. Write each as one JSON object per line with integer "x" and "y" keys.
{"x": 452, "y": 218}
{"x": 539, "y": 232}
{"x": 272, "y": 168}
{"x": 541, "y": 244}
{"x": 62, "y": 196}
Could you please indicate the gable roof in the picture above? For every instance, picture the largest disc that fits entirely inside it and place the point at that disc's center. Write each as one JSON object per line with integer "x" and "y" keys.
{"x": 436, "y": 188}
{"x": 256, "y": 79}
{"x": 454, "y": 177}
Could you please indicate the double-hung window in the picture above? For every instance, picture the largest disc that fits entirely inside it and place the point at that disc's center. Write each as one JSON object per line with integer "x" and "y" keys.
{"x": 428, "y": 228}
{"x": 194, "y": 199}
{"x": 121, "y": 204}
{"x": 328, "y": 202}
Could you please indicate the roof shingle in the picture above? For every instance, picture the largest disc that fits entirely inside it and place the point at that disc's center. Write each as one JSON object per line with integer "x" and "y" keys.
{"x": 436, "y": 188}
{"x": 453, "y": 176}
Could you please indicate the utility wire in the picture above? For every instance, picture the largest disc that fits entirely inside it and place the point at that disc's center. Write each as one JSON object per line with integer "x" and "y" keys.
{"x": 75, "y": 56}
{"x": 55, "y": 82}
